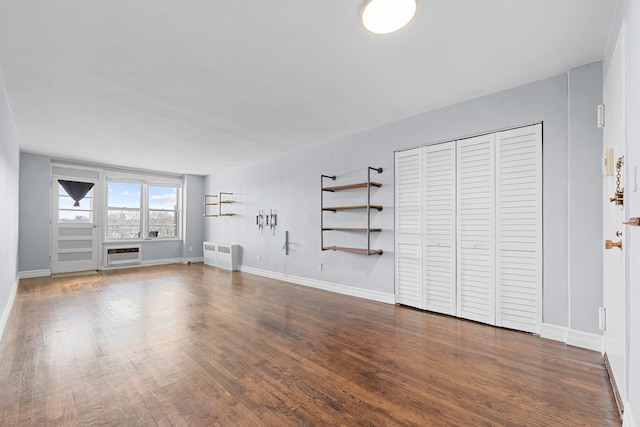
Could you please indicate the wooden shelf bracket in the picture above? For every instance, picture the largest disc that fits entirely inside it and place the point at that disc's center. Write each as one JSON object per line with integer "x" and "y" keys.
{"x": 217, "y": 200}
{"x": 368, "y": 207}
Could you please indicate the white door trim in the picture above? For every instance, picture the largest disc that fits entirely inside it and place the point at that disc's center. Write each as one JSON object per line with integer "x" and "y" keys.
{"x": 96, "y": 217}
{"x": 616, "y": 297}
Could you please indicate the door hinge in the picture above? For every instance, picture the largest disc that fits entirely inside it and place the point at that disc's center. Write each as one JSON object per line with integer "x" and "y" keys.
{"x": 602, "y": 318}
{"x": 601, "y": 115}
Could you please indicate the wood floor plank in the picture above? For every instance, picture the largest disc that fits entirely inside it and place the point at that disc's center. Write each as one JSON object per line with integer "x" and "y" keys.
{"x": 194, "y": 345}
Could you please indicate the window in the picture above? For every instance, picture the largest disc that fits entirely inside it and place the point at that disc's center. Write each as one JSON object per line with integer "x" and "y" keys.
{"x": 142, "y": 210}
{"x": 69, "y": 214}
{"x": 163, "y": 211}
{"x": 124, "y": 206}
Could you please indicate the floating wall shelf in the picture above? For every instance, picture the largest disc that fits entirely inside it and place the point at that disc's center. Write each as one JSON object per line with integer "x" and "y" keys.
{"x": 368, "y": 207}
{"x": 219, "y": 202}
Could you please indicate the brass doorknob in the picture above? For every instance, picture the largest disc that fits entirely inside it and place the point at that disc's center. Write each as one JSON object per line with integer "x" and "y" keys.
{"x": 608, "y": 244}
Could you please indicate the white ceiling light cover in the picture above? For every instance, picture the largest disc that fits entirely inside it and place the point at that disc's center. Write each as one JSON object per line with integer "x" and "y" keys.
{"x": 387, "y": 16}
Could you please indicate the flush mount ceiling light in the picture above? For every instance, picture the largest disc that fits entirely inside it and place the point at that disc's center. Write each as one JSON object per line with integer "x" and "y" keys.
{"x": 387, "y": 16}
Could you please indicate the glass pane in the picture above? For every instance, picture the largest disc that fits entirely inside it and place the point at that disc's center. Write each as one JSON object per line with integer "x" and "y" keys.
{"x": 67, "y": 213}
{"x": 74, "y": 216}
{"x": 163, "y": 223}
{"x": 123, "y": 224}
{"x": 66, "y": 202}
{"x": 163, "y": 197}
{"x": 123, "y": 195}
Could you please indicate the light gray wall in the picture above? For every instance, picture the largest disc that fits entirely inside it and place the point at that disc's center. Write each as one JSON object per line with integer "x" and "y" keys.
{"x": 290, "y": 184}
{"x": 35, "y": 212}
{"x": 35, "y": 209}
{"x": 628, "y": 15}
{"x": 9, "y": 178}
{"x": 194, "y": 234}
{"x": 585, "y": 189}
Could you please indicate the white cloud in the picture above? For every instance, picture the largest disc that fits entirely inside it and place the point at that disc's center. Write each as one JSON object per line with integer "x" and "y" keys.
{"x": 165, "y": 199}
{"x": 125, "y": 193}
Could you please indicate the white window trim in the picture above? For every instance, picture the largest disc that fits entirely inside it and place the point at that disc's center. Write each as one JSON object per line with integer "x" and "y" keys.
{"x": 178, "y": 210}
{"x": 145, "y": 182}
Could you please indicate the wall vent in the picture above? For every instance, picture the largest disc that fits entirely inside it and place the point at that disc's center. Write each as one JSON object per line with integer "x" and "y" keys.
{"x": 119, "y": 256}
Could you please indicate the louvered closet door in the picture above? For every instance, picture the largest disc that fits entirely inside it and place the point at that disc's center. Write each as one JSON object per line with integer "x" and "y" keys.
{"x": 519, "y": 228}
{"x": 408, "y": 224}
{"x": 439, "y": 228}
{"x": 476, "y": 228}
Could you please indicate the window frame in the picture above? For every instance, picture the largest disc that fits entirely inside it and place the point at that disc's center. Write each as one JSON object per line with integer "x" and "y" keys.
{"x": 177, "y": 209}
{"x": 91, "y": 197}
{"x": 145, "y": 183}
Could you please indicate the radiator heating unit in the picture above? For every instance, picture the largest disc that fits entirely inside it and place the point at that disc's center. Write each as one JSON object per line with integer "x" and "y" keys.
{"x": 221, "y": 255}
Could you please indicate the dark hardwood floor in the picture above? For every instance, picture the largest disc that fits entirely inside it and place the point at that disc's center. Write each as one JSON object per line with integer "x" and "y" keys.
{"x": 193, "y": 345}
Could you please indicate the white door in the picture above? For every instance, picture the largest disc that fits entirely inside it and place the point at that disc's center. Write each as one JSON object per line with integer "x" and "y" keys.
{"x": 615, "y": 288}
{"x": 74, "y": 229}
{"x": 440, "y": 228}
{"x": 476, "y": 229}
{"x": 519, "y": 228}
{"x": 408, "y": 223}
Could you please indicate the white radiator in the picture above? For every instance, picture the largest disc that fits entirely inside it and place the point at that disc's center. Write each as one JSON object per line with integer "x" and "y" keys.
{"x": 209, "y": 253}
{"x": 118, "y": 256}
{"x": 221, "y": 255}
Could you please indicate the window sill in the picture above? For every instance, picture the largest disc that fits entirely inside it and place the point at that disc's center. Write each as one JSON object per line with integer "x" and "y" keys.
{"x": 112, "y": 242}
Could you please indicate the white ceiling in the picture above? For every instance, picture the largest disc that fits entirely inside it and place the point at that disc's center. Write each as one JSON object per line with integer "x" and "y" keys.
{"x": 195, "y": 86}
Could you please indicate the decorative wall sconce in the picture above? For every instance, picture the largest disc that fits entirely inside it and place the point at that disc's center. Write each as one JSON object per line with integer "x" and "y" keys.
{"x": 618, "y": 199}
{"x": 272, "y": 219}
{"x": 260, "y": 219}
{"x": 267, "y": 220}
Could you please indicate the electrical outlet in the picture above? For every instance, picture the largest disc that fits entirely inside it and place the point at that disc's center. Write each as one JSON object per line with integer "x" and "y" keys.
{"x": 190, "y": 248}
{"x": 319, "y": 266}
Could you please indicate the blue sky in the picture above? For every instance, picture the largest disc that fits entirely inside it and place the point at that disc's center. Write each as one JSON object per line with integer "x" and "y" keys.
{"x": 127, "y": 195}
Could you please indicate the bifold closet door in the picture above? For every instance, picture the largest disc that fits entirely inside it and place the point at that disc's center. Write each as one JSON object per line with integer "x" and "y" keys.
{"x": 519, "y": 228}
{"x": 440, "y": 228}
{"x": 476, "y": 229}
{"x": 469, "y": 228}
{"x": 408, "y": 224}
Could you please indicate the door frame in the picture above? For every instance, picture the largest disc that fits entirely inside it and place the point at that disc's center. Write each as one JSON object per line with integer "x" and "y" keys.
{"x": 620, "y": 384}
{"x": 97, "y": 206}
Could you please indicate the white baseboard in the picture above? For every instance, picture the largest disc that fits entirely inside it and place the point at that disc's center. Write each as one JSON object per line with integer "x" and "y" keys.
{"x": 553, "y": 332}
{"x": 4, "y": 319}
{"x": 162, "y": 262}
{"x": 319, "y": 284}
{"x": 629, "y": 418}
{"x": 192, "y": 260}
{"x": 34, "y": 273}
{"x": 572, "y": 337}
{"x": 586, "y": 340}
{"x": 153, "y": 262}
{"x": 46, "y": 273}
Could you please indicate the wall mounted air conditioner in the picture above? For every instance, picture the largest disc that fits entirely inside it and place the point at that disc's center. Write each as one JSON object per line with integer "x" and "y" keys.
{"x": 121, "y": 256}
{"x": 221, "y": 255}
